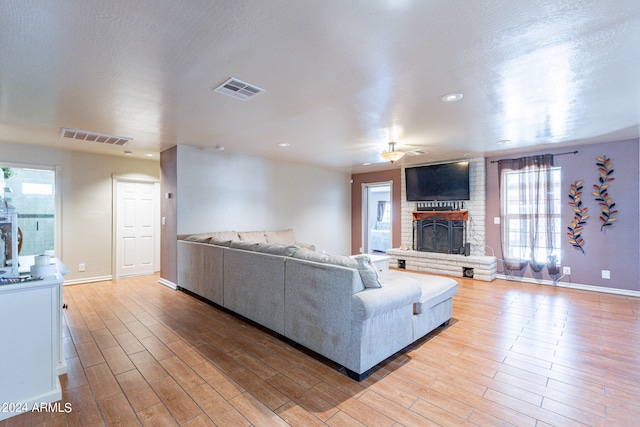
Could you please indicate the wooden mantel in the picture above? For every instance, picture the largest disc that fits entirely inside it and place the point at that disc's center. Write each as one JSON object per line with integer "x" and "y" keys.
{"x": 462, "y": 214}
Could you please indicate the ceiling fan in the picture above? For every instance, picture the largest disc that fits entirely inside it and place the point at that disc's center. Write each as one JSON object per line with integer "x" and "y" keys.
{"x": 393, "y": 155}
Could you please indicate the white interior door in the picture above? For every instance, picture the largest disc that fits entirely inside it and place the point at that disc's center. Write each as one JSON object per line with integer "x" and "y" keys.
{"x": 136, "y": 228}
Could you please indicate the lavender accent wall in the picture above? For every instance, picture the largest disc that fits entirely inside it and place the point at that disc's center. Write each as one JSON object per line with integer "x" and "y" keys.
{"x": 617, "y": 248}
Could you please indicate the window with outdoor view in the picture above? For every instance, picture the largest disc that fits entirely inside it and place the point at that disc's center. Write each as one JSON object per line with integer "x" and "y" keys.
{"x": 530, "y": 208}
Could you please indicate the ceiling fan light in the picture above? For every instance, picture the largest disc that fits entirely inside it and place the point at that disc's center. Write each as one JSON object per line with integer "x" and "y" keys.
{"x": 392, "y": 155}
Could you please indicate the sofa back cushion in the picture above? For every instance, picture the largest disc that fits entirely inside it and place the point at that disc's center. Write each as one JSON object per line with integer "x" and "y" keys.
{"x": 198, "y": 238}
{"x": 224, "y": 235}
{"x": 214, "y": 235}
{"x": 220, "y": 242}
{"x": 244, "y": 245}
{"x": 252, "y": 236}
{"x": 277, "y": 249}
{"x": 284, "y": 237}
{"x": 365, "y": 267}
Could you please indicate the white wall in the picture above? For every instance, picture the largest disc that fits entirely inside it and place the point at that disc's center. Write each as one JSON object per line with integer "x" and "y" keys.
{"x": 219, "y": 191}
{"x": 86, "y": 201}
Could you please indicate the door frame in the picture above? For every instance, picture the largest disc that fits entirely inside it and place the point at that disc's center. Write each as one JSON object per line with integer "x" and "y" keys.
{"x": 364, "y": 243}
{"x": 114, "y": 217}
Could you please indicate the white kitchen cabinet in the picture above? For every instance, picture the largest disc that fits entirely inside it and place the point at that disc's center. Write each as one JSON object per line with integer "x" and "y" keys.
{"x": 30, "y": 344}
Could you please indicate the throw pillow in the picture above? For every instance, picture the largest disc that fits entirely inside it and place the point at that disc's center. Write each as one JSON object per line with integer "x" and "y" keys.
{"x": 368, "y": 271}
{"x": 368, "y": 261}
{"x": 365, "y": 267}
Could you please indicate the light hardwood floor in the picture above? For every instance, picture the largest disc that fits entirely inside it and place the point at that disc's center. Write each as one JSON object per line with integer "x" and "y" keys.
{"x": 139, "y": 353}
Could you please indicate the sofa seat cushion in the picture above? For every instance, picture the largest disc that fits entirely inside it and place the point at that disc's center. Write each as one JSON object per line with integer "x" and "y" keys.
{"x": 368, "y": 273}
{"x": 435, "y": 289}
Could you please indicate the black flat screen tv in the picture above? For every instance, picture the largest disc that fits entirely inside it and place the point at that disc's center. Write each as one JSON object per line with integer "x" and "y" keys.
{"x": 446, "y": 181}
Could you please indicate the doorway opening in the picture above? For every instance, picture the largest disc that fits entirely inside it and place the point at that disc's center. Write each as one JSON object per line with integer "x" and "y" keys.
{"x": 376, "y": 221}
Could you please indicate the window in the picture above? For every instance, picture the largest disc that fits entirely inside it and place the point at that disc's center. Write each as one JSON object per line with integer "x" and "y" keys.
{"x": 32, "y": 192}
{"x": 33, "y": 188}
{"x": 531, "y": 217}
{"x": 386, "y": 216}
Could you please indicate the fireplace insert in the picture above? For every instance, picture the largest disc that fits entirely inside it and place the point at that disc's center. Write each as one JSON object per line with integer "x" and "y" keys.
{"x": 439, "y": 235}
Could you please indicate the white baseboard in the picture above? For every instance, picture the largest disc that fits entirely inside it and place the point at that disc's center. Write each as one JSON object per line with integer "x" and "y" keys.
{"x": 168, "y": 283}
{"x": 625, "y": 292}
{"x": 87, "y": 280}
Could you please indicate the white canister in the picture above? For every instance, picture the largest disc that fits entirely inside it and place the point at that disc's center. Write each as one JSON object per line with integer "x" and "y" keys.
{"x": 42, "y": 260}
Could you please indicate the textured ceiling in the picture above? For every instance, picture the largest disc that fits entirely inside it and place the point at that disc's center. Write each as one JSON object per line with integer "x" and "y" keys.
{"x": 341, "y": 78}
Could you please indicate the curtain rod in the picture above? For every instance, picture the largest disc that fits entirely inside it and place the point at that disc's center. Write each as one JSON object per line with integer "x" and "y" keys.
{"x": 559, "y": 154}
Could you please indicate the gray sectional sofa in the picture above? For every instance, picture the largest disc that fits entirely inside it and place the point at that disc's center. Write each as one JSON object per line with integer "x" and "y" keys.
{"x": 340, "y": 307}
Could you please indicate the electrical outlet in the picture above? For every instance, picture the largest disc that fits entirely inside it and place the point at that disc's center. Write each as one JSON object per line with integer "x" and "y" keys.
{"x": 496, "y": 220}
{"x": 566, "y": 270}
{"x": 81, "y": 267}
{"x": 606, "y": 274}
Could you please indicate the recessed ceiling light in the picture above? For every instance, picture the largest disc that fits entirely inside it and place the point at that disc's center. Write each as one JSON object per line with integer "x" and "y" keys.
{"x": 452, "y": 97}
{"x": 504, "y": 141}
{"x": 149, "y": 155}
{"x": 284, "y": 144}
{"x": 128, "y": 153}
{"x": 366, "y": 163}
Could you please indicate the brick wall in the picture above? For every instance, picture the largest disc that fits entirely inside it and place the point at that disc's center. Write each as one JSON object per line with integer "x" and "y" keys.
{"x": 476, "y": 231}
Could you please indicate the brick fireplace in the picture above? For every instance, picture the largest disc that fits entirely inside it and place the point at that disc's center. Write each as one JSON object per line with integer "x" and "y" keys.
{"x": 481, "y": 267}
{"x": 475, "y": 207}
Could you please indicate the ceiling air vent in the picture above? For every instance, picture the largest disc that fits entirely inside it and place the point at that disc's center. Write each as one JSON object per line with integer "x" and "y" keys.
{"x": 238, "y": 89}
{"x": 84, "y": 135}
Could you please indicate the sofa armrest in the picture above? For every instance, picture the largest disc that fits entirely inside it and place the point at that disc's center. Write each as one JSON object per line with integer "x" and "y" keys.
{"x": 375, "y": 301}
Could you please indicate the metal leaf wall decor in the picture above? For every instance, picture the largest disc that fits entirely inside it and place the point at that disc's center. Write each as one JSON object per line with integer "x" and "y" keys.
{"x": 580, "y": 216}
{"x": 605, "y": 168}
